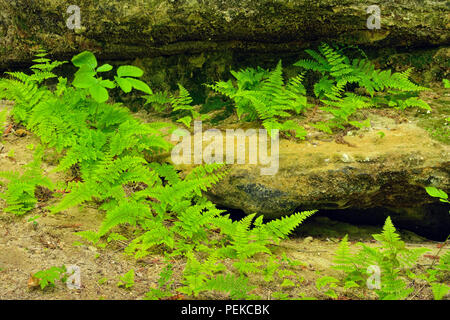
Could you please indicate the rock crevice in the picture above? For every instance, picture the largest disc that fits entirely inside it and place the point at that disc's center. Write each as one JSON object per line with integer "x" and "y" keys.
{"x": 142, "y": 28}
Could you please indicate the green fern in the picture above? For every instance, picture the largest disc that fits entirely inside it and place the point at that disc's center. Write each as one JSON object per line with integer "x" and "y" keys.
{"x": 20, "y": 193}
{"x": 345, "y": 261}
{"x": 164, "y": 285}
{"x": 159, "y": 101}
{"x": 3, "y": 117}
{"x": 129, "y": 212}
{"x": 444, "y": 262}
{"x": 263, "y": 95}
{"x": 391, "y": 256}
{"x": 127, "y": 280}
{"x": 109, "y": 150}
{"x": 197, "y": 273}
{"x": 446, "y": 83}
{"x": 279, "y": 229}
{"x": 236, "y": 287}
{"x": 182, "y": 104}
{"x": 338, "y": 72}
{"x": 26, "y": 90}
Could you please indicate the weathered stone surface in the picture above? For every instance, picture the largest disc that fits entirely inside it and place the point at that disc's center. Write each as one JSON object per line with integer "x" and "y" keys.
{"x": 389, "y": 172}
{"x": 361, "y": 185}
{"x": 195, "y": 42}
{"x": 141, "y": 28}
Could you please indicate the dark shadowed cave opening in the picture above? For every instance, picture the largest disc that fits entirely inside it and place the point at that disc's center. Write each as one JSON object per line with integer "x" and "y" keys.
{"x": 434, "y": 222}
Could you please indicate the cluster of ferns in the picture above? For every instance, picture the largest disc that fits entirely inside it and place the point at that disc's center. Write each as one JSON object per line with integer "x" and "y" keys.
{"x": 345, "y": 86}
{"x": 111, "y": 151}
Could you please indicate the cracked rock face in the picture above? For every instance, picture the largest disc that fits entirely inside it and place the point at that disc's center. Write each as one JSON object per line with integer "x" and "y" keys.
{"x": 146, "y": 28}
{"x": 195, "y": 42}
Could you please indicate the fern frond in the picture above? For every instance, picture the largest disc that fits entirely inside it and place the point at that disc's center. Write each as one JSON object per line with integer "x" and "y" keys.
{"x": 236, "y": 287}
{"x": 343, "y": 259}
{"x": 156, "y": 233}
{"x": 20, "y": 193}
{"x": 129, "y": 212}
{"x": 281, "y": 228}
{"x": 80, "y": 193}
{"x": 183, "y": 101}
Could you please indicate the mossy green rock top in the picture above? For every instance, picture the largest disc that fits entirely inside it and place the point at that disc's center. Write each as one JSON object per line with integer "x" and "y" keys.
{"x": 125, "y": 30}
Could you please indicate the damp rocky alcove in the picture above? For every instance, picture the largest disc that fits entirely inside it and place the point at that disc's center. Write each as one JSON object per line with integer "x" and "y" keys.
{"x": 361, "y": 178}
{"x": 195, "y": 42}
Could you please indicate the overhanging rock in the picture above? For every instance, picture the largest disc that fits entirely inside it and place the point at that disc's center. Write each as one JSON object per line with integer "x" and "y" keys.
{"x": 125, "y": 30}
{"x": 375, "y": 172}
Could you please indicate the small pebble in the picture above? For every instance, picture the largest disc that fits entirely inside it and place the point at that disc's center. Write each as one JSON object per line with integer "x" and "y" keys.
{"x": 308, "y": 240}
{"x": 346, "y": 158}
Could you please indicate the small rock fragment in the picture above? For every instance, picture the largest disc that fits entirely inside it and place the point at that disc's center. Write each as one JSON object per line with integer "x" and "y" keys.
{"x": 346, "y": 158}
{"x": 308, "y": 240}
{"x": 21, "y": 132}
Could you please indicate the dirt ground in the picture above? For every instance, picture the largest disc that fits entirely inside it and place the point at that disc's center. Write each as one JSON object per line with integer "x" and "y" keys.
{"x": 27, "y": 247}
